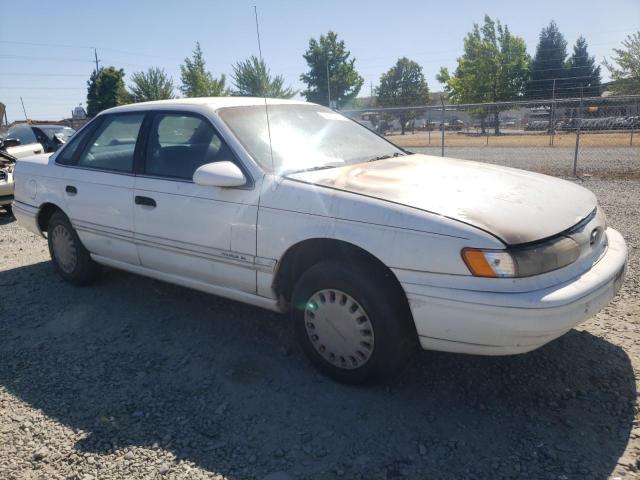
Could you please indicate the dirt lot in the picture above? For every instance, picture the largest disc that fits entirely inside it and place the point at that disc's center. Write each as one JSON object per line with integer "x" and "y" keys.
{"x": 511, "y": 139}
{"x": 137, "y": 379}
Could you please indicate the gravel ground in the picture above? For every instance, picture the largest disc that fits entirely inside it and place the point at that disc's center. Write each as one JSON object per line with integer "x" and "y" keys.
{"x": 620, "y": 162}
{"x": 133, "y": 378}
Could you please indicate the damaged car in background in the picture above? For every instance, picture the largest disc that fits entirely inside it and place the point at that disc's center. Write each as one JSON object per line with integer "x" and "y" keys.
{"x": 293, "y": 207}
{"x": 23, "y": 140}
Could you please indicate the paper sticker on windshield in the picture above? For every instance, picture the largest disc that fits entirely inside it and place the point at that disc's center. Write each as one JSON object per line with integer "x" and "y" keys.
{"x": 332, "y": 116}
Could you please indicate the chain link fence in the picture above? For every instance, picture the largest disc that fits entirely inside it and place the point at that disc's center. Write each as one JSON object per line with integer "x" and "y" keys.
{"x": 570, "y": 136}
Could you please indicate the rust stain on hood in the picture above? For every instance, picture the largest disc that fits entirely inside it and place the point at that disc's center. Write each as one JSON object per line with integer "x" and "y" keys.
{"x": 515, "y": 205}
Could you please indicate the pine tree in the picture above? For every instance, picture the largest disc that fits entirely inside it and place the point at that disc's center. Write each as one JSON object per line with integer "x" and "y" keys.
{"x": 582, "y": 72}
{"x": 154, "y": 84}
{"x": 548, "y": 65}
{"x": 252, "y": 78}
{"x": 328, "y": 55}
{"x": 197, "y": 81}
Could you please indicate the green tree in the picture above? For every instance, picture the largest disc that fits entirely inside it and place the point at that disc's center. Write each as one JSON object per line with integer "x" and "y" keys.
{"x": 105, "y": 90}
{"x": 548, "y": 65}
{"x": 252, "y": 78}
{"x": 626, "y": 75}
{"x": 582, "y": 72}
{"x": 329, "y": 56}
{"x": 197, "y": 81}
{"x": 403, "y": 85}
{"x": 154, "y": 84}
{"x": 493, "y": 68}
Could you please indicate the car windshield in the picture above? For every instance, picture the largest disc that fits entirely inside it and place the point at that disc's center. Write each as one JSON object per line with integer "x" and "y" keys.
{"x": 64, "y": 133}
{"x": 304, "y": 137}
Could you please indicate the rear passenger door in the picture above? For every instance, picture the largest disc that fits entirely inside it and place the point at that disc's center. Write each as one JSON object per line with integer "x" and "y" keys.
{"x": 98, "y": 185}
{"x": 203, "y": 234}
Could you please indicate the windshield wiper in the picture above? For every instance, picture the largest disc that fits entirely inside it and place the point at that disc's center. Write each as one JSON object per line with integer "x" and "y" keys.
{"x": 312, "y": 169}
{"x": 384, "y": 157}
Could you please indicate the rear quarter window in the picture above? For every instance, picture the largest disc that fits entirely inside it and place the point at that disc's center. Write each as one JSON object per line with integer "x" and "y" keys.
{"x": 68, "y": 153}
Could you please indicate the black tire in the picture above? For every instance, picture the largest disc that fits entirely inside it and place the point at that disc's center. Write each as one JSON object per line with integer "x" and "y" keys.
{"x": 393, "y": 330}
{"x": 9, "y": 210}
{"x": 82, "y": 270}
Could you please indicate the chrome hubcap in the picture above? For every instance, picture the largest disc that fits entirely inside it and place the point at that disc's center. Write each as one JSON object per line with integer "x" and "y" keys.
{"x": 64, "y": 248}
{"x": 339, "y": 328}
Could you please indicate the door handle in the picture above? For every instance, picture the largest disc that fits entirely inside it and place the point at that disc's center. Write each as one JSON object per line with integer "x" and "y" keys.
{"x": 149, "y": 202}
{"x": 71, "y": 190}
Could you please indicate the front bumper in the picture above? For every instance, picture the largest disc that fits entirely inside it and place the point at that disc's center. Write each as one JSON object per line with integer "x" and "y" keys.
{"x": 501, "y": 323}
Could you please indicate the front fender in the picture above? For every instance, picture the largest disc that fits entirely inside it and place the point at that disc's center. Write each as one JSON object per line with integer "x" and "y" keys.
{"x": 401, "y": 237}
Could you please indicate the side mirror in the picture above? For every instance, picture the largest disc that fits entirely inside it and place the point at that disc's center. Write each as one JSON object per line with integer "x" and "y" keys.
{"x": 219, "y": 174}
{"x": 10, "y": 142}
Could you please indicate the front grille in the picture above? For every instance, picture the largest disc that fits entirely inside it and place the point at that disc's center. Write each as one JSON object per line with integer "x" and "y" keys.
{"x": 579, "y": 227}
{"x": 589, "y": 234}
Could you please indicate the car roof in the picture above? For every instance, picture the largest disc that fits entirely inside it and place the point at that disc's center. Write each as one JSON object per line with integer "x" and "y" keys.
{"x": 48, "y": 125}
{"x": 214, "y": 103}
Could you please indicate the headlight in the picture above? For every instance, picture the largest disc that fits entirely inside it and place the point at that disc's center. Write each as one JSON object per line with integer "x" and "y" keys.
{"x": 522, "y": 261}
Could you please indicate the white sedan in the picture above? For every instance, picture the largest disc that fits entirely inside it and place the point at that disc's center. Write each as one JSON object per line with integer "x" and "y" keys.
{"x": 292, "y": 207}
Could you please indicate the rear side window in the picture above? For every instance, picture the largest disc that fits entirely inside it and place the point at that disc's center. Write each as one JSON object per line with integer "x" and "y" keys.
{"x": 113, "y": 144}
{"x": 180, "y": 143}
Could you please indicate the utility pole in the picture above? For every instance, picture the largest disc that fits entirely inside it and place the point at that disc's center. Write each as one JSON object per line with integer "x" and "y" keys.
{"x": 575, "y": 153}
{"x": 95, "y": 54}
{"x": 552, "y": 123}
{"x": 442, "y": 126}
{"x": 328, "y": 83}
{"x": 24, "y": 110}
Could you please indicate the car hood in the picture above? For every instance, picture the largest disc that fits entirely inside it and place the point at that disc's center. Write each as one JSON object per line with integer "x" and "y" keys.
{"x": 514, "y": 205}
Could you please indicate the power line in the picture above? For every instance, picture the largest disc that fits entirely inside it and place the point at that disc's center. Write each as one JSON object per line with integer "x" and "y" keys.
{"x": 43, "y": 88}
{"x": 29, "y": 57}
{"x": 38, "y": 74}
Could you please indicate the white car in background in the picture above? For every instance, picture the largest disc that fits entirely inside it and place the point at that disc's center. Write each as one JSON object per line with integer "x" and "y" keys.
{"x": 372, "y": 249}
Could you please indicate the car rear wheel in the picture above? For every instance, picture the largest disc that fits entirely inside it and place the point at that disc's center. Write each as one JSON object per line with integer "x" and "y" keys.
{"x": 9, "y": 210}
{"x": 350, "y": 324}
{"x": 71, "y": 260}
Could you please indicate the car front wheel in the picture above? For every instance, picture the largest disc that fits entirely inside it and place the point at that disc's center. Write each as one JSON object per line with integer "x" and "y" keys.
{"x": 350, "y": 323}
{"x": 71, "y": 260}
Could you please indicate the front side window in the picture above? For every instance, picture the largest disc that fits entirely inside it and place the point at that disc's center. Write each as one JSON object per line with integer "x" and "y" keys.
{"x": 179, "y": 143}
{"x": 113, "y": 144}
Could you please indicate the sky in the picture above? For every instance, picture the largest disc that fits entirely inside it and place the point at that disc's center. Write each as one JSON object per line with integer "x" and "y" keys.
{"x": 47, "y": 57}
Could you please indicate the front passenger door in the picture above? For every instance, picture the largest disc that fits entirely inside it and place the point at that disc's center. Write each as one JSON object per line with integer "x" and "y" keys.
{"x": 203, "y": 234}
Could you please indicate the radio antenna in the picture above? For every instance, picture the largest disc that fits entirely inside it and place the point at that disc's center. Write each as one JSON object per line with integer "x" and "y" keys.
{"x": 266, "y": 106}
